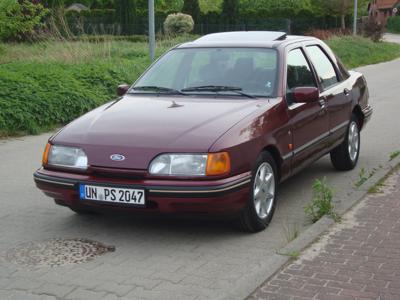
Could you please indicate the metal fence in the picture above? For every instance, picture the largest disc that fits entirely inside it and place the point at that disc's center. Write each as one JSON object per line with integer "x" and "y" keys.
{"x": 291, "y": 26}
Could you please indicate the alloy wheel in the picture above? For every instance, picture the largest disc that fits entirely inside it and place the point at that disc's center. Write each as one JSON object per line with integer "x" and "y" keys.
{"x": 353, "y": 141}
{"x": 264, "y": 190}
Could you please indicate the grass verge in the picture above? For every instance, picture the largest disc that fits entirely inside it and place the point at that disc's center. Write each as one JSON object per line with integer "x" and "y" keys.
{"x": 358, "y": 51}
{"x": 48, "y": 84}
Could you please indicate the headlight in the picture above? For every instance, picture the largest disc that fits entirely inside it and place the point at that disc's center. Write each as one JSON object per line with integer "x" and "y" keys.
{"x": 190, "y": 164}
{"x": 63, "y": 156}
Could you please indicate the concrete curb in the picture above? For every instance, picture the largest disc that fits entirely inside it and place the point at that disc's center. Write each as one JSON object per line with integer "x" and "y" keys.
{"x": 273, "y": 264}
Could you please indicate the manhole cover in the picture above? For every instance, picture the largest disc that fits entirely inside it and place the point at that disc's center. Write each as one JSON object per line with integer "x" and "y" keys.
{"x": 56, "y": 252}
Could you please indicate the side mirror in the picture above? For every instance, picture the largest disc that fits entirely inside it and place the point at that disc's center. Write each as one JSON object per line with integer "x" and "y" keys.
{"x": 305, "y": 94}
{"x": 122, "y": 89}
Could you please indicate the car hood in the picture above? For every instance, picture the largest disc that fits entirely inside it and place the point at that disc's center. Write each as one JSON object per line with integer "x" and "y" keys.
{"x": 141, "y": 127}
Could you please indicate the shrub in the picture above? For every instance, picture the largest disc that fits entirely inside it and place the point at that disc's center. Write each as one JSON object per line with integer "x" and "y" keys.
{"x": 326, "y": 34}
{"x": 20, "y": 20}
{"x": 393, "y": 24}
{"x": 373, "y": 30}
{"x": 178, "y": 23}
{"x": 38, "y": 96}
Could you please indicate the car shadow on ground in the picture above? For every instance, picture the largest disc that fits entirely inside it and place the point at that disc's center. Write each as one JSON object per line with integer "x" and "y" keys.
{"x": 294, "y": 194}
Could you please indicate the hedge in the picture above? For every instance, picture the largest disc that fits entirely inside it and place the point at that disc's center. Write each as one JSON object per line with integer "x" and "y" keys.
{"x": 393, "y": 24}
{"x": 99, "y": 21}
{"x": 38, "y": 96}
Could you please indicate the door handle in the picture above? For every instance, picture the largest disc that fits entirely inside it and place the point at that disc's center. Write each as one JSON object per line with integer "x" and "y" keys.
{"x": 346, "y": 92}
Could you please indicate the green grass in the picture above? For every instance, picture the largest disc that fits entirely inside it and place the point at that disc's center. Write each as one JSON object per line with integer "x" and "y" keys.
{"x": 393, "y": 155}
{"x": 292, "y": 254}
{"x": 48, "y": 84}
{"x": 359, "y": 51}
{"x": 364, "y": 176}
{"x": 322, "y": 202}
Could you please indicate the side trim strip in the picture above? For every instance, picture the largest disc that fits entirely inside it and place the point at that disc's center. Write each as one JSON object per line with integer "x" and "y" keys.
{"x": 295, "y": 105}
{"x": 158, "y": 189}
{"x": 340, "y": 126}
{"x": 287, "y": 156}
{"x": 54, "y": 181}
{"x": 202, "y": 191}
{"x": 316, "y": 140}
{"x": 310, "y": 143}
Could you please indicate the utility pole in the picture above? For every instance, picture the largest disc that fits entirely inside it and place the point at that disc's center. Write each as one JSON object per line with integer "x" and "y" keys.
{"x": 355, "y": 17}
{"x": 152, "y": 34}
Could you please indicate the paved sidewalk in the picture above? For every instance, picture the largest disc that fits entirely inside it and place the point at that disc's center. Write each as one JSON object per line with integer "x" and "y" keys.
{"x": 357, "y": 259}
{"x": 392, "y": 38}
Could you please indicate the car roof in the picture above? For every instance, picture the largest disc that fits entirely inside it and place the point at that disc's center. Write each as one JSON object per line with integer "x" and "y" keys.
{"x": 267, "y": 39}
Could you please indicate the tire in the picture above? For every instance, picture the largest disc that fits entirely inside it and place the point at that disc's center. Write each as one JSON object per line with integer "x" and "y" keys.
{"x": 255, "y": 218}
{"x": 345, "y": 156}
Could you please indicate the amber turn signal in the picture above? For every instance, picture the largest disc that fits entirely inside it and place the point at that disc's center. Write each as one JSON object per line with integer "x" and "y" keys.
{"x": 218, "y": 163}
{"x": 45, "y": 157}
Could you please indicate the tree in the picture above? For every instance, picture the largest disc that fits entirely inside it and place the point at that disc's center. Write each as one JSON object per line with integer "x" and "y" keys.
{"x": 169, "y": 5}
{"x": 53, "y": 3}
{"x": 338, "y": 8}
{"x": 230, "y": 9}
{"x": 191, "y": 7}
{"x": 207, "y": 6}
{"x": 21, "y": 20}
{"x": 277, "y": 9}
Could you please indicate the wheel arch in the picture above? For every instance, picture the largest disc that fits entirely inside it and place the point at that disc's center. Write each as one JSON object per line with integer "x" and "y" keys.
{"x": 276, "y": 155}
{"x": 360, "y": 116}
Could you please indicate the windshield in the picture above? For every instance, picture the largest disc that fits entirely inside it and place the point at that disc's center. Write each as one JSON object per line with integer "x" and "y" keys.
{"x": 252, "y": 70}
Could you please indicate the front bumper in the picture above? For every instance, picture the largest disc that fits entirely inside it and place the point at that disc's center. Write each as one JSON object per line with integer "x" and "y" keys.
{"x": 224, "y": 196}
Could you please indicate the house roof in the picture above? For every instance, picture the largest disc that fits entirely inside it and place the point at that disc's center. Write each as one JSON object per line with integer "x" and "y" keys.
{"x": 385, "y": 4}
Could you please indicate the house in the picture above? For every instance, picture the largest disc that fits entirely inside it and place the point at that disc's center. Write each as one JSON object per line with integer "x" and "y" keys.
{"x": 381, "y": 10}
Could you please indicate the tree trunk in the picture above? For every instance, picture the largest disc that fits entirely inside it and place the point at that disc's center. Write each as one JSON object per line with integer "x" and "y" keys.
{"x": 343, "y": 21}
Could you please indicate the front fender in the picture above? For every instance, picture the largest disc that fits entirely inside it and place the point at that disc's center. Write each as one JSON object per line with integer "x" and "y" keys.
{"x": 266, "y": 127}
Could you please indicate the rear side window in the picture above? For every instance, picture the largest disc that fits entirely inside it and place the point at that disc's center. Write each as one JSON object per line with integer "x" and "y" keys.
{"x": 323, "y": 66}
{"x": 299, "y": 73}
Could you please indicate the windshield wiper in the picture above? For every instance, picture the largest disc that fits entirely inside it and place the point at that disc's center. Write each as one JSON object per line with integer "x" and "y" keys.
{"x": 158, "y": 89}
{"x": 218, "y": 88}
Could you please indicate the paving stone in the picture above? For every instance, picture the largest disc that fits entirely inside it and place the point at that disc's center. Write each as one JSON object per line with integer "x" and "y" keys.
{"x": 57, "y": 290}
{"x": 141, "y": 293}
{"x": 23, "y": 284}
{"x": 145, "y": 283}
{"x": 5, "y": 294}
{"x": 19, "y": 295}
{"x": 343, "y": 267}
{"x": 115, "y": 288}
{"x": 82, "y": 294}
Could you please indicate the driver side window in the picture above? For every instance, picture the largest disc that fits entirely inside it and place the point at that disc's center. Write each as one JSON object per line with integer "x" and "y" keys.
{"x": 299, "y": 73}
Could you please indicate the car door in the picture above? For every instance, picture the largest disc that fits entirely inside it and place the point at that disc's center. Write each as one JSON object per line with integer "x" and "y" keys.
{"x": 309, "y": 121}
{"x": 335, "y": 91}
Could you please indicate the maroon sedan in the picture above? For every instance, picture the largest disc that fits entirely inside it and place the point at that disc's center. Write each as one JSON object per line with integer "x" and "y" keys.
{"x": 212, "y": 127}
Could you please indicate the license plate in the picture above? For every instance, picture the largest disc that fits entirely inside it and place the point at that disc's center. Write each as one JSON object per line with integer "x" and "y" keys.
{"x": 111, "y": 194}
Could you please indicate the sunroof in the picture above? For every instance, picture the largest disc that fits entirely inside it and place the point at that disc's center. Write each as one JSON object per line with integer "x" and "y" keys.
{"x": 254, "y": 36}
